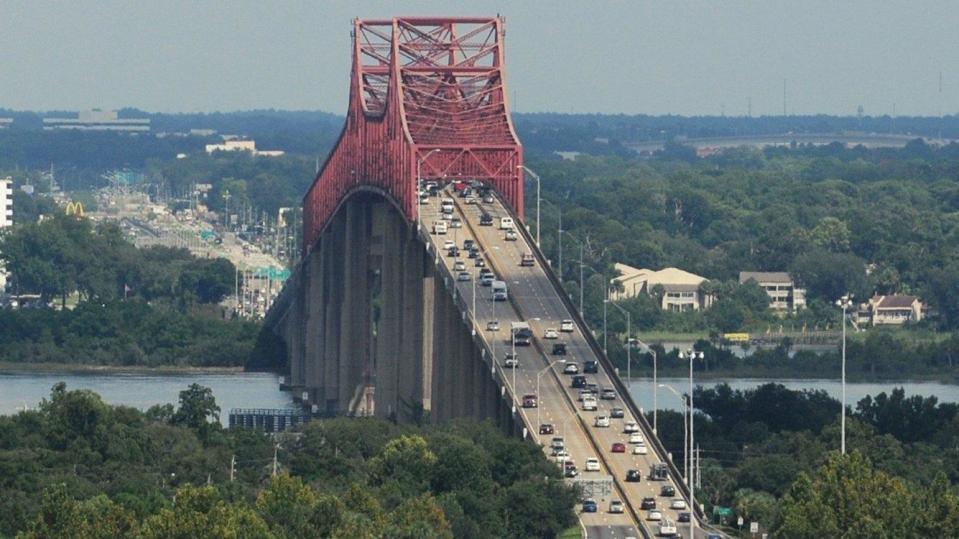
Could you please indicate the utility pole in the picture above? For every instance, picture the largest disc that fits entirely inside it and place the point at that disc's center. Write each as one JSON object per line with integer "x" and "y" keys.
{"x": 275, "y": 447}
{"x": 232, "y": 467}
{"x": 559, "y": 238}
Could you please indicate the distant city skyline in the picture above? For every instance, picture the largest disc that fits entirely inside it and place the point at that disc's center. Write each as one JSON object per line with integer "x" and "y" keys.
{"x": 686, "y": 58}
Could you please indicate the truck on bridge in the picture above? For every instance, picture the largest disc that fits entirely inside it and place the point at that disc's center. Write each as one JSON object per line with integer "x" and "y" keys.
{"x": 522, "y": 334}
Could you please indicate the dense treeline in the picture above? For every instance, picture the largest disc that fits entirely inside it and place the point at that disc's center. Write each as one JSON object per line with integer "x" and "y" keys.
{"x": 129, "y": 306}
{"x": 124, "y": 333}
{"x": 265, "y": 184}
{"x": 857, "y": 220}
{"x": 63, "y": 255}
{"x": 77, "y": 467}
{"x": 770, "y": 454}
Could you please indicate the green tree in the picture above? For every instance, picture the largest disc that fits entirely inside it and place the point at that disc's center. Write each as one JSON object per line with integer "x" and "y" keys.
{"x": 197, "y": 407}
{"x": 289, "y": 506}
{"x": 199, "y": 512}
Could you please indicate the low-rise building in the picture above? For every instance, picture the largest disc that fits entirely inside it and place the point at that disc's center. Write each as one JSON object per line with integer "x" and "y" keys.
{"x": 5, "y": 122}
{"x": 783, "y": 293}
{"x": 98, "y": 120}
{"x": 891, "y": 310}
{"x": 6, "y": 220}
{"x": 242, "y": 146}
{"x": 681, "y": 289}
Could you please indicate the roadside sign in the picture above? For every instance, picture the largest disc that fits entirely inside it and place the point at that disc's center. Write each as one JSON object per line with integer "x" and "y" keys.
{"x": 753, "y": 527}
{"x": 739, "y": 522}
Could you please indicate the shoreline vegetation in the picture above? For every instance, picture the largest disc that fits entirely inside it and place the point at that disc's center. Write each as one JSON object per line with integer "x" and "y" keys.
{"x": 11, "y": 367}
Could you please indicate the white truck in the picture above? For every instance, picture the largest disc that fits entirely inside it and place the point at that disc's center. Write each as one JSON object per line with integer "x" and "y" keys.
{"x": 498, "y": 291}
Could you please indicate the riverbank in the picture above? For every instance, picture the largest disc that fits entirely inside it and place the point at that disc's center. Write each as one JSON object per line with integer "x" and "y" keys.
{"x": 77, "y": 368}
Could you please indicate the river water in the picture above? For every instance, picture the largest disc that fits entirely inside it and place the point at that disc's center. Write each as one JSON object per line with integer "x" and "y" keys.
{"x": 23, "y": 390}
{"x": 642, "y": 389}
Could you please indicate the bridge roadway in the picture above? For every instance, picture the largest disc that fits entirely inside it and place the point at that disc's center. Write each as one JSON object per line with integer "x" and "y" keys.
{"x": 534, "y": 300}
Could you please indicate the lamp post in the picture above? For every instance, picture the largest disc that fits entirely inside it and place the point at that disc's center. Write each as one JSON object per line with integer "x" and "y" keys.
{"x": 652, "y": 351}
{"x": 419, "y": 184}
{"x": 539, "y": 224}
{"x": 691, "y": 355}
{"x": 540, "y": 373}
{"x": 682, "y": 399}
{"x": 629, "y": 346}
{"x": 844, "y": 303}
{"x": 582, "y": 265}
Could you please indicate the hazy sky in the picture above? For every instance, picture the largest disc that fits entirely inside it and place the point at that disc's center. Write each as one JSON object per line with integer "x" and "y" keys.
{"x": 582, "y": 56}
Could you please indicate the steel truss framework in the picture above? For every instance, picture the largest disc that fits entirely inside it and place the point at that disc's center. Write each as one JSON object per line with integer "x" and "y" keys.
{"x": 420, "y": 84}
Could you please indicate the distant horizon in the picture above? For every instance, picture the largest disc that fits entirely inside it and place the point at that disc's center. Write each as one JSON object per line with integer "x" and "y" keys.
{"x": 5, "y": 110}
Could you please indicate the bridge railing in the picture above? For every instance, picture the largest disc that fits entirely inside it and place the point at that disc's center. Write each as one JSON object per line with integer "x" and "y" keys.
{"x": 621, "y": 387}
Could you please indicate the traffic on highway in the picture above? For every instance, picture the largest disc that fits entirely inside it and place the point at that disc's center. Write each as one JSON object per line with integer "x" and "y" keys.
{"x": 565, "y": 398}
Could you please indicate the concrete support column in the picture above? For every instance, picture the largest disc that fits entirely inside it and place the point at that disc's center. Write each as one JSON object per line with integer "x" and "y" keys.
{"x": 333, "y": 297}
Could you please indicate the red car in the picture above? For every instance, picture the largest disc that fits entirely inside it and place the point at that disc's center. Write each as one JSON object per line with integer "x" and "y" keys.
{"x": 619, "y": 447}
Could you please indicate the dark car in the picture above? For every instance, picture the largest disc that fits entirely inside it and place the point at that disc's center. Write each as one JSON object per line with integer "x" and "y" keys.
{"x": 589, "y": 506}
{"x": 487, "y": 220}
{"x": 579, "y": 382}
{"x": 453, "y": 251}
{"x": 468, "y": 244}
{"x": 684, "y": 516}
{"x": 559, "y": 349}
{"x": 647, "y": 503}
{"x": 570, "y": 471}
{"x": 591, "y": 366}
{"x": 547, "y": 428}
{"x": 634, "y": 476}
{"x": 667, "y": 490}
{"x": 473, "y": 253}
{"x": 617, "y": 413}
{"x": 659, "y": 472}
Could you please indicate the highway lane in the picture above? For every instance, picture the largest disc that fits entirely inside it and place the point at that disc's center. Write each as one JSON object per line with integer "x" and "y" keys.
{"x": 542, "y": 308}
{"x": 554, "y": 407}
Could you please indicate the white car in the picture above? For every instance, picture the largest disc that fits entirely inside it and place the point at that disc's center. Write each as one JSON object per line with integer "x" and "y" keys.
{"x": 677, "y": 503}
{"x": 551, "y": 333}
{"x": 459, "y": 265}
{"x": 506, "y": 223}
{"x": 616, "y": 506}
{"x": 472, "y": 200}
{"x": 439, "y": 227}
{"x": 654, "y": 515}
{"x": 636, "y": 438}
{"x": 447, "y": 216}
{"x": 601, "y": 421}
{"x": 630, "y": 427}
{"x": 447, "y": 244}
{"x": 668, "y": 529}
{"x": 592, "y": 464}
{"x": 456, "y": 223}
{"x": 589, "y": 404}
{"x": 492, "y": 325}
{"x": 566, "y": 326}
{"x": 463, "y": 276}
{"x": 640, "y": 449}
{"x": 510, "y": 235}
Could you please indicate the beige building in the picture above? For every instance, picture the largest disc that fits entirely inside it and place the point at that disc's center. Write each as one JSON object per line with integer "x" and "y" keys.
{"x": 784, "y": 295}
{"x": 891, "y": 310}
{"x": 681, "y": 288}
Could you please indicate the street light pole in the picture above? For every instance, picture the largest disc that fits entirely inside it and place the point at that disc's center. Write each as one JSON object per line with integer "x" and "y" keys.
{"x": 682, "y": 399}
{"x": 692, "y": 355}
{"x": 419, "y": 185}
{"x": 844, "y": 303}
{"x": 540, "y": 403}
{"x": 539, "y": 224}
{"x": 629, "y": 346}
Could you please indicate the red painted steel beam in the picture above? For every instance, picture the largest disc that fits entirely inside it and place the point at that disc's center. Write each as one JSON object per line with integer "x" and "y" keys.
{"x": 420, "y": 84}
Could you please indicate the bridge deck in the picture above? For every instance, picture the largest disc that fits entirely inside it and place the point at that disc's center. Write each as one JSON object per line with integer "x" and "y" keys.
{"x": 533, "y": 299}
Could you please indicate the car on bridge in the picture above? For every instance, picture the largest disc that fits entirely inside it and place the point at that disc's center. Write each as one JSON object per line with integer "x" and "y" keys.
{"x": 648, "y": 502}
{"x": 479, "y": 263}
{"x": 630, "y": 427}
{"x": 589, "y": 404}
{"x": 571, "y": 368}
{"x": 654, "y": 515}
{"x": 559, "y": 349}
{"x": 506, "y": 223}
{"x": 453, "y": 251}
{"x": 634, "y": 476}
{"x": 658, "y": 472}
{"x": 618, "y": 447}
{"x": 439, "y": 227}
{"x": 636, "y": 438}
{"x": 601, "y": 421}
{"x": 579, "y": 382}
{"x": 616, "y": 506}
{"x": 492, "y": 325}
{"x": 608, "y": 394}
{"x": 667, "y": 490}
{"x": 459, "y": 265}
{"x": 486, "y": 220}
{"x": 667, "y": 529}
{"x": 684, "y": 517}
{"x": 463, "y": 276}
{"x": 589, "y": 506}
{"x": 510, "y": 235}
{"x": 468, "y": 244}
{"x": 591, "y": 366}
{"x": 456, "y": 223}
{"x": 566, "y": 326}
{"x": 640, "y": 449}
{"x": 511, "y": 361}
{"x": 529, "y": 401}
{"x": 546, "y": 428}
{"x": 677, "y": 503}
{"x": 617, "y": 413}
{"x": 550, "y": 333}
{"x": 527, "y": 260}
{"x": 487, "y": 198}
{"x": 592, "y": 464}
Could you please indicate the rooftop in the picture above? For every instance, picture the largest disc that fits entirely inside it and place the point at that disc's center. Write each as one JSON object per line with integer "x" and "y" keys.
{"x": 765, "y": 277}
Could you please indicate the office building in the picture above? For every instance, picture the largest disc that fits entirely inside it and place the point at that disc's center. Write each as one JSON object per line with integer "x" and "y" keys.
{"x": 98, "y": 120}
